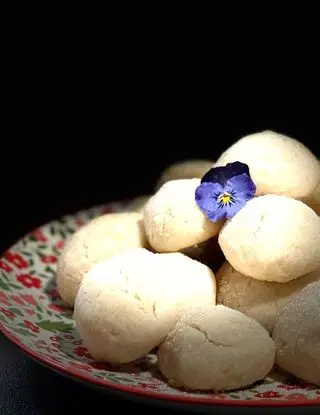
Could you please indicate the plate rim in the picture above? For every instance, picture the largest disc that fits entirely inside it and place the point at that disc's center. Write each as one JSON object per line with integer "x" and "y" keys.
{"x": 133, "y": 390}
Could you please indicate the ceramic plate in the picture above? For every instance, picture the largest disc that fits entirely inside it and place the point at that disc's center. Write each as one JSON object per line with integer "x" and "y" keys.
{"x": 34, "y": 317}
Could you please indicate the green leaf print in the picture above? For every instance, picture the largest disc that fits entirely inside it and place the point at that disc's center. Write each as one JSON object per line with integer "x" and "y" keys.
{"x": 55, "y": 326}
{"x": 4, "y": 276}
{"x": 48, "y": 269}
{"x": 4, "y": 286}
{"x": 63, "y": 234}
{"x": 26, "y": 253}
{"x": 17, "y": 287}
{"x": 16, "y": 311}
{"x": 24, "y": 332}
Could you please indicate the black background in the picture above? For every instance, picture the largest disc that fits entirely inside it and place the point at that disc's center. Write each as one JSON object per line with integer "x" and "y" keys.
{"x": 73, "y": 146}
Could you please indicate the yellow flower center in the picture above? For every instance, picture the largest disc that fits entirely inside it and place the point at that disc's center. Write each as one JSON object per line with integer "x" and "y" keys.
{"x": 225, "y": 199}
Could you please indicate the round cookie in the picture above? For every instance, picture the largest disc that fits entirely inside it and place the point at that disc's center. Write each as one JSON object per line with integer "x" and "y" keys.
{"x": 215, "y": 348}
{"x": 172, "y": 219}
{"x": 259, "y": 300}
{"x": 278, "y": 164}
{"x": 117, "y": 310}
{"x": 126, "y": 305}
{"x": 297, "y": 335}
{"x": 100, "y": 239}
{"x": 185, "y": 280}
{"x": 186, "y": 169}
{"x": 314, "y": 200}
{"x": 272, "y": 238}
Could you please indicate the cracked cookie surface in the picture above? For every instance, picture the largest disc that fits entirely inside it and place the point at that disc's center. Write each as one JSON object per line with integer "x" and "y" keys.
{"x": 215, "y": 348}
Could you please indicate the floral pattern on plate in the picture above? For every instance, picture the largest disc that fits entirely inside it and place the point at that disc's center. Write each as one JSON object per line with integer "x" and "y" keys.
{"x": 33, "y": 316}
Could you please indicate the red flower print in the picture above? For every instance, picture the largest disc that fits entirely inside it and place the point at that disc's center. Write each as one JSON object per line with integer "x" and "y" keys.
{"x": 291, "y": 386}
{"x": 29, "y": 299}
{"x": 57, "y": 308}
{"x": 54, "y": 338}
{"x": 5, "y": 267}
{"x": 288, "y": 387}
{"x": 39, "y": 235}
{"x": 296, "y": 396}
{"x": 7, "y": 313}
{"x": 17, "y": 299}
{"x": 29, "y": 311}
{"x": 106, "y": 209}
{"x": 4, "y": 299}
{"x": 79, "y": 221}
{"x": 80, "y": 366}
{"x": 53, "y": 294}
{"x": 83, "y": 352}
{"x": 48, "y": 259}
{"x": 29, "y": 281}
{"x": 31, "y": 326}
{"x": 56, "y": 345}
{"x": 60, "y": 245}
{"x": 99, "y": 365}
{"x": 77, "y": 342}
{"x": 68, "y": 336}
{"x": 269, "y": 394}
{"x": 38, "y": 344}
{"x": 16, "y": 259}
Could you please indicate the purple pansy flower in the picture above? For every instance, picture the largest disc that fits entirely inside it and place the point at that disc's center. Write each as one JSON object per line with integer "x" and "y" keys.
{"x": 224, "y": 191}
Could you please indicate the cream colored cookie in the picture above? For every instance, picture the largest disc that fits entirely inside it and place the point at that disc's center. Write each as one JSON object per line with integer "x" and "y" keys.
{"x": 186, "y": 169}
{"x": 172, "y": 219}
{"x": 314, "y": 200}
{"x": 100, "y": 239}
{"x": 215, "y": 348}
{"x": 259, "y": 300}
{"x": 272, "y": 238}
{"x": 127, "y": 305}
{"x": 184, "y": 279}
{"x": 278, "y": 164}
{"x": 297, "y": 335}
{"x": 117, "y": 311}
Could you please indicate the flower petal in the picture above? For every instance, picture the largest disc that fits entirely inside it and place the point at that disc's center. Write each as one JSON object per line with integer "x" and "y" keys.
{"x": 215, "y": 175}
{"x": 243, "y": 187}
{"x": 237, "y": 168}
{"x": 232, "y": 209}
{"x": 206, "y": 198}
{"x": 223, "y": 174}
